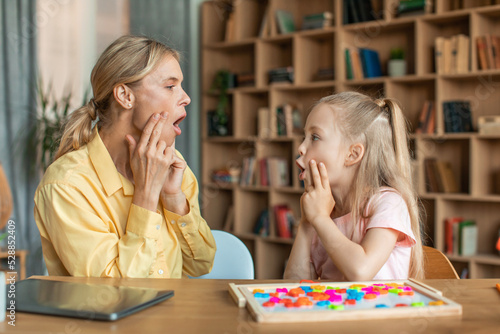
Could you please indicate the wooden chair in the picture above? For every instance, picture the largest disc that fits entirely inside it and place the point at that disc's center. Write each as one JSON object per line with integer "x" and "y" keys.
{"x": 437, "y": 265}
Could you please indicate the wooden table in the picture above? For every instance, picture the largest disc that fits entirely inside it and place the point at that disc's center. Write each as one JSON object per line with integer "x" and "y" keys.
{"x": 205, "y": 306}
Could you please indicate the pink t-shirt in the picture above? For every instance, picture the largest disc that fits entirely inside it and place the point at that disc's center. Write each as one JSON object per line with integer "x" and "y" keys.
{"x": 391, "y": 211}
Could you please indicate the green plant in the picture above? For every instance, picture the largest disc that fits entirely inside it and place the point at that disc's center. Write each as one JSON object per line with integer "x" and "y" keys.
{"x": 219, "y": 118}
{"x": 43, "y": 135}
{"x": 397, "y": 53}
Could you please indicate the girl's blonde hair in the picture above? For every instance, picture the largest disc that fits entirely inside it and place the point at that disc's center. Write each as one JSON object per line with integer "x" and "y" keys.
{"x": 381, "y": 127}
{"x": 126, "y": 61}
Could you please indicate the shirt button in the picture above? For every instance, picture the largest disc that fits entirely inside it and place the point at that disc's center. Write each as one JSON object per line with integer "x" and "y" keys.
{"x": 157, "y": 227}
{"x": 160, "y": 272}
{"x": 173, "y": 221}
{"x": 183, "y": 224}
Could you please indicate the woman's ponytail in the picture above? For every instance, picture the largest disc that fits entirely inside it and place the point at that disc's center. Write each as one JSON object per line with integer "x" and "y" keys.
{"x": 78, "y": 129}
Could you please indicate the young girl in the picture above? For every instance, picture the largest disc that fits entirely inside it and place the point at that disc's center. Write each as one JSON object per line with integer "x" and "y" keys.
{"x": 360, "y": 215}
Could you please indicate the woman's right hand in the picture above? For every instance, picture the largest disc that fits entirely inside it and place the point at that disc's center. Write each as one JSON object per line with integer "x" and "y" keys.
{"x": 150, "y": 160}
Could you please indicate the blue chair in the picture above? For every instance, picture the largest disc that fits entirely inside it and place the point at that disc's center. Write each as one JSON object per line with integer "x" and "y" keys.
{"x": 232, "y": 258}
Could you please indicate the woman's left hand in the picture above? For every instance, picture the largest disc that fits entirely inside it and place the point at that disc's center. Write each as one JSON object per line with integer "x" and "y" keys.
{"x": 317, "y": 201}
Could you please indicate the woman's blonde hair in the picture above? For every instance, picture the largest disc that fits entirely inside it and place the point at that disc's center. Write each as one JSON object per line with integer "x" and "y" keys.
{"x": 126, "y": 61}
{"x": 381, "y": 127}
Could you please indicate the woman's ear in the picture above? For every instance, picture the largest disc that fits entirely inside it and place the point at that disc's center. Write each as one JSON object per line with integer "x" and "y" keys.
{"x": 124, "y": 96}
{"x": 355, "y": 154}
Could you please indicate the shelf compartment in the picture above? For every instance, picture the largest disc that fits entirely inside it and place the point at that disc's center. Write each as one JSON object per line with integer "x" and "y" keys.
{"x": 429, "y": 237}
{"x": 214, "y": 204}
{"x": 224, "y": 156}
{"x": 250, "y": 204}
{"x": 238, "y": 60}
{"x": 246, "y": 112}
{"x": 411, "y": 95}
{"x": 456, "y": 151}
{"x": 485, "y": 214}
{"x": 271, "y": 267}
{"x": 312, "y": 54}
{"x": 303, "y": 98}
{"x": 210, "y": 103}
{"x": 382, "y": 37}
{"x": 480, "y": 89}
{"x": 272, "y": 54}
{"x": 485, "y": 167}
{"x": 430, "y": 28}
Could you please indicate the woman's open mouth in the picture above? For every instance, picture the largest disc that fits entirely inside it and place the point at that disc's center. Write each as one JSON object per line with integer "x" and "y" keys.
{"x": 177, "y": 129}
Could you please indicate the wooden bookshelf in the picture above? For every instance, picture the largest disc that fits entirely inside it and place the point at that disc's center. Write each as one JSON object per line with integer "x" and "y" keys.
{"x": 474, "y": 157}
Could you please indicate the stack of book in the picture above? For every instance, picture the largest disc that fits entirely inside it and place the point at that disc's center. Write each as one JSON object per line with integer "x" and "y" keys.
{"x": 427, "y": 119}
{"x": 439, "y": 176}
{"x": 285, "y": 221}
{"x": 457, "y": 116}
{"x": 245, "y": 79}
{"x": 460, "y": 236}
{"x": 285, "y": 120}
{"x": 281, "y": 74}
{"x": 270, "y": 171}
{"x": 488, "y": 52}
{"x": 452, "y": 55}
{"x": 362, "y": 63}
{"x": 317, "y": 21}
{"x": 356, "y": 11}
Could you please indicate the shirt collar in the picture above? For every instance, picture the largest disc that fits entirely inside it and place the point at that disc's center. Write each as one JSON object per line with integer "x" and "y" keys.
{"x": 106, "y": 170}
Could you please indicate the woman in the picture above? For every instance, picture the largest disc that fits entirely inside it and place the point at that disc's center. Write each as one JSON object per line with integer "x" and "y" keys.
{"x": 120, "y": 201}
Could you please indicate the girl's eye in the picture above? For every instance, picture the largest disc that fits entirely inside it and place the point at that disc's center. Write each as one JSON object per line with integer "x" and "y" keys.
{"x": 170, "y": 87}
{"x": 314, "y": 137}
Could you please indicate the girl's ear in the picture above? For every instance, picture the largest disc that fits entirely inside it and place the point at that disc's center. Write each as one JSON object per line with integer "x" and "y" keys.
{"x": 124, "y": 96}
{"x": 355, "y": 154}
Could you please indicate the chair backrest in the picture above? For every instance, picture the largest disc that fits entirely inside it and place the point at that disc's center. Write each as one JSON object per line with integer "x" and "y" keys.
{"x": 232, "y": 258}
{"x": 437, "y": 265}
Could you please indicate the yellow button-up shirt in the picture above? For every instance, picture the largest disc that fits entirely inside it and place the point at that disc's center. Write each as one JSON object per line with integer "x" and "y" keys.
{"x": 89, "y": 226}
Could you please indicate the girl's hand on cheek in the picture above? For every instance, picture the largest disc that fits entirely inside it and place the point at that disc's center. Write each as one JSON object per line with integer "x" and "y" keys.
{"x": 317, "y": 201}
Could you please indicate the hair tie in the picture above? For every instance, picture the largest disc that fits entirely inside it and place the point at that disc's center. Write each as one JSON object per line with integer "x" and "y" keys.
{"x": 93, "y": 109}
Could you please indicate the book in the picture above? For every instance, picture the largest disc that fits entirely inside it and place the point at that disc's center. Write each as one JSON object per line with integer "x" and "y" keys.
{"x": 490, "y": 52}
{"x": 422, "y": 119}
{"x": 264, "y": 30}
{"x": 430, "y": 127}
{"x": 282, "y": 222}
{"x": 261, "y": 227}
{"x": 229, "y": 221}
{"x": 264, "y": 126}
{"x": 370, "y": 62}
{"x": 288, "y": 114}
{"x": 481, "y": 52}
{"x": 285, "y": 21}
{"x": 467, "y": 231}
{"x": 447, "y": 55}
{"x": 317, "y": 20}
{"x": 447, "y": 177}
{"x": 438, "y": 54}
{"x": 453, "y": 54}
{"x": 357, "y": 68}
{"x": 463, "y": 54}
{"x": 431, "y": 177}
{"x": 449, "y": 222}
{"x": 348, "y": 65}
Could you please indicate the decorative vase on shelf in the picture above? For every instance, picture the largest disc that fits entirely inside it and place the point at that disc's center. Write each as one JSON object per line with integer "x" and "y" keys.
{"x": 5, "y": 199}
{"x": 396, "y": 67}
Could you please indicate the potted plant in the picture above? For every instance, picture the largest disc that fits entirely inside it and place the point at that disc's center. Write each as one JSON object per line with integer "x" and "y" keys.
{"x": 42, "y": 137}
{"x": 396, "y": 66}
{"x": 218, "y": 119}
